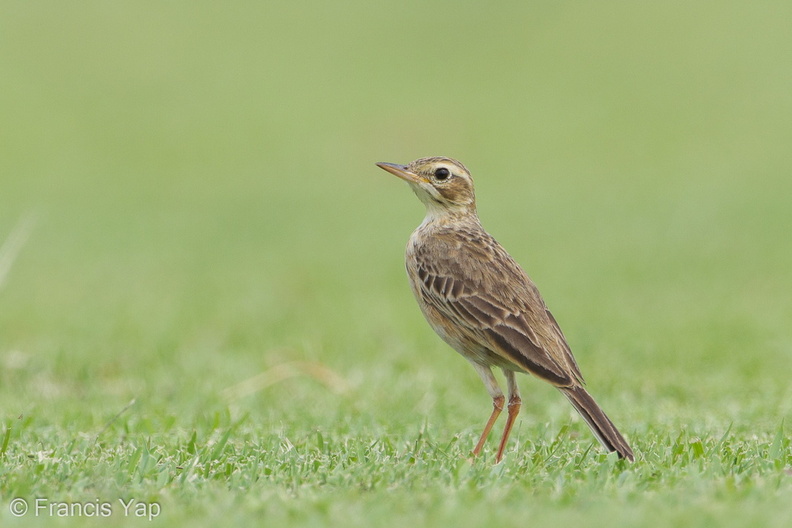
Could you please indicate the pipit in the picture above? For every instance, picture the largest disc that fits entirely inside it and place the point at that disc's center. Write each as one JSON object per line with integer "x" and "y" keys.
{"x": 481, "y": 302}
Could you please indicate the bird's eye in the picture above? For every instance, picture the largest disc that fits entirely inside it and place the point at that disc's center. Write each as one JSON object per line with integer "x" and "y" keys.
{"x": 442, "y": 174}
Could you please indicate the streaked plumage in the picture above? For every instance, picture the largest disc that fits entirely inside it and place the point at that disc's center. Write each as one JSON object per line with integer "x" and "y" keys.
{"x": 482, "y": 303}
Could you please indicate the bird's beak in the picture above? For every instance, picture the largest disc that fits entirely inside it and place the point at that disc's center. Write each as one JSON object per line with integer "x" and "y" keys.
{"x": 402, "y": 172}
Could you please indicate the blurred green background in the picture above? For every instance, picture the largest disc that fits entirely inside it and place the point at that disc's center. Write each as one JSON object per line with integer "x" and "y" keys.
{"x": 194, "y": 184}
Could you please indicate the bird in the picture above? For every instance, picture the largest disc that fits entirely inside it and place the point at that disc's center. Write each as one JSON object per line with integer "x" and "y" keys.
{"x": 480, "y": 301}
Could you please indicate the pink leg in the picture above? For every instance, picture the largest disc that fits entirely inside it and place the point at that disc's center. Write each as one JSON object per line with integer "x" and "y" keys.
{"x": 514, "y": 409}
{"x": 498, "y": 399}
{"x": 497, "y": 407}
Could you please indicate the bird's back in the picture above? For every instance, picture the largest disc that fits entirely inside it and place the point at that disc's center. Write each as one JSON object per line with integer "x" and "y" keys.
{"x": 462, "y": 277}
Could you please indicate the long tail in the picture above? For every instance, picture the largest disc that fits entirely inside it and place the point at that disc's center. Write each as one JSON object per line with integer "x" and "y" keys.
{"x": 600, "y": 424}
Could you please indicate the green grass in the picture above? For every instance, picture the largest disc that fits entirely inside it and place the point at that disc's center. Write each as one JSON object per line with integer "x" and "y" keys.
{"x": 200, "y": 230}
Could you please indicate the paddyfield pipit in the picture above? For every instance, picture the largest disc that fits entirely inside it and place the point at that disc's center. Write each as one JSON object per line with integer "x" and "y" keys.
{"x": 482, "y": 303}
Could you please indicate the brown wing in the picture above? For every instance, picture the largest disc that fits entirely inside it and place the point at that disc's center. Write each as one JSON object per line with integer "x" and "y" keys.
{"x": 479, "y": 288}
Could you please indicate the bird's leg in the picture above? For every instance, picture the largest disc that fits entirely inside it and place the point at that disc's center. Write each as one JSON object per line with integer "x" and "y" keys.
{"x": 497, "y": 402}
{"x": 514, "y": 409}
{"x": 497, "y": 407}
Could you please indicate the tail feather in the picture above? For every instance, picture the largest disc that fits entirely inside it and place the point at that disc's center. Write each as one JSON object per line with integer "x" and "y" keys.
{"x": 600, "y": 424}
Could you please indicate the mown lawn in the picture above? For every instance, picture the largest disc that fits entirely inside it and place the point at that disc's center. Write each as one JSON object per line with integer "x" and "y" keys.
{"x": 203, "y": 307}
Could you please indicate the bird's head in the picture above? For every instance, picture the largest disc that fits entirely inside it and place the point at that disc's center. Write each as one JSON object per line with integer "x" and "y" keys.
{"x": 443, "y": 184}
